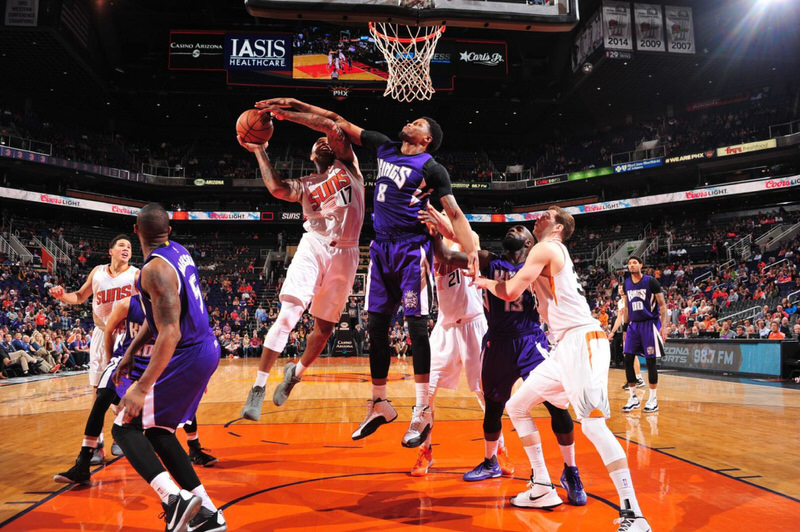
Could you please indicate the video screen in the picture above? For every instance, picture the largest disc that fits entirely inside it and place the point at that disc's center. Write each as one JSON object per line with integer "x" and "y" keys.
{"x": 347, "y": 55}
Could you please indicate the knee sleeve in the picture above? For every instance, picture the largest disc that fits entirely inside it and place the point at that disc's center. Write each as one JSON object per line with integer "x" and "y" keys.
{"x": 652, "y": 371}
{"x": 379, "y": 357}
{"x": 519, "y": 412}
{"x": 603, "y": 440}
{"x": 420, "y": 344}
{"x": 102, "y": 401}
{"x": 560, "y": 420}
{"x": 138, "y": 451}
{"x": 630, "y": 374}
{"x": 174, "y": 458}
{"x": 493, "y": 417}
{"x": 287, "y": 318}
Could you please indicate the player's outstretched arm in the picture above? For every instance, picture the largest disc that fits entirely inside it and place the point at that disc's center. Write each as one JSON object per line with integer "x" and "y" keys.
{"x": 337, "y": 139}
{"x": 539, "y": 257}
{"x": 462, "y": 231}
{"x": 289, "y": 190}
{"x": 352, "y": 131}
{"x": 77, "y": 297}
{"x": 117, "y": 316}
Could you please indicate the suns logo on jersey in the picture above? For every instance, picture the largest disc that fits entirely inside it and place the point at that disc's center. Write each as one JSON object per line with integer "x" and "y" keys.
{"x": 113, "y": 294}
{"x": 338, "y": 181}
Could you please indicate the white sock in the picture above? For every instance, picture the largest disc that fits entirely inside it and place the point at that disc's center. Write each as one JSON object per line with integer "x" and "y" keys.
{"x": 490, "y": 448}
{"x": 639, "y": 377}
{"x": 653, "y": 392}
{"x": 164, "y": 486}
{"x": 378, "y": 392}
{"x": 100, "y": 440}
{"x": 501, "y": 442}
{"x": 624, "y": 484}
{"x": 568, "y": 452}
{"x": 261, "y": 378}
{"x": 538, "y": 467}
{"x": 632, "y": 389}
{"x": 89, "y": 442}
{"x": 300, "y": 369}
{"x": 423, "y": 398}
{"x": 200, "y": 491}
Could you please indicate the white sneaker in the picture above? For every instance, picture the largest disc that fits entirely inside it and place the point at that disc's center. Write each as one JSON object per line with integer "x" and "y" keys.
{"x": 630, "y": 522}
{"x": 651, "y": 406}
{"x": 632, "y": 404}
{"x": 379, "y": 412}
{"x": 421, "y": 424}
{"x": 538, "y": 495}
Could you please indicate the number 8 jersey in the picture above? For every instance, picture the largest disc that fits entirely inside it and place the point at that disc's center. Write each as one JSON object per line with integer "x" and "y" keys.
{"x": 194, "y": 318}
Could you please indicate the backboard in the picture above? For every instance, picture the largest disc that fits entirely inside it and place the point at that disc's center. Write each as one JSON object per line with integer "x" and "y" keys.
{"x": 523, "y": 15}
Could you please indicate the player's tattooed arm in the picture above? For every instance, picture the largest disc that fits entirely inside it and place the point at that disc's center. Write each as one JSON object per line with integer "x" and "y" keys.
{"x": 337, "y": 139}
{"x": 352, "y": 131}
{"x": 289, "y": 190}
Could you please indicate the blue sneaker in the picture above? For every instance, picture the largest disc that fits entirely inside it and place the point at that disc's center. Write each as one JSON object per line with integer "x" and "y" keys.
{"x": 571, "y": 481}
{"x": 486, "y": 469}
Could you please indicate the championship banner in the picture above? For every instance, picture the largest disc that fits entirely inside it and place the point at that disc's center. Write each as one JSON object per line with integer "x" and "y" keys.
{"x": 193, "y": 50}
{"x": 747, "y": 148}
{"x": 22, "y": 12}
{"x": 680, "y": 29}
{"x": 649, "y": 28}
{"x": 589, "y": 39}
{"x": 258, "y": 51}
{"x": 617, "y": 31}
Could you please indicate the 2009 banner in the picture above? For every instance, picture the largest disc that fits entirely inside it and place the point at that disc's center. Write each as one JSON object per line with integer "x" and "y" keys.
{"x": 649, "y": 28}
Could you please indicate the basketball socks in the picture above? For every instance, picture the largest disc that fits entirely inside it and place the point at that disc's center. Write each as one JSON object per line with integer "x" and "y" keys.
{"x": 299, "y": 369}
{"x": 538, "y": 467}
{"x": 568, "y": 452}
{"x": 624, "y": 484}
{"x": 261, "y": 378}
{"x": 200, "y": 491}
{"x": 501, "y": 442}
{"x": 423, "y": 397}
{"x": 653, "y": 392}
{"x": 90, "y": 442}
{"x": 100, "y": 439}
{"x": 632, "y": 389}
{"x": 164, "y": 486}
{"x": 378, "y": 392}
{"x": 490, "y": 448}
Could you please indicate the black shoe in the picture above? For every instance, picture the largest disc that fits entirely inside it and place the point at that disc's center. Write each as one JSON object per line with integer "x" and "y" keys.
{"x": 207, "y": 521}
{"x": 180, "y": 510}
{"x": 77, "y": 474}
{"x": 198, "y": 457}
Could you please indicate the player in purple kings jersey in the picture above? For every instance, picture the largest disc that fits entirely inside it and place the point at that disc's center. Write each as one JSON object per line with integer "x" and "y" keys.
{"x": 400, "y": 255}
{"x": 165, "y": 394}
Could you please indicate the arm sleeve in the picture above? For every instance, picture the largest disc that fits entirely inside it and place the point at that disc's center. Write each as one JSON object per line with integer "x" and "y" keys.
{"x": 655, "y": 287}
{"x": 437, "y": 178}
{"x": 372, "y": 140}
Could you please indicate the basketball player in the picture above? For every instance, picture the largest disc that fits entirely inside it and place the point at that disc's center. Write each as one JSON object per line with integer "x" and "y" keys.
{"x": 513, "y": 347}
{"x": 129, "y": 311}
{"x": 400, "y": 255}
{"x": 645, "y": 336}
{"x": 109, "y": 284}
{"x": 456, "y": 338}
{"x": 166, "y": 391}
{"x": 324, "y": 267}
{"x": 576, "y": 371}
{"x": 620, "y": 326}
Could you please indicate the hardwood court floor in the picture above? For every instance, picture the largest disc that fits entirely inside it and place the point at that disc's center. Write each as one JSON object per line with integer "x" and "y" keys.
{"x": 719, "y": 455}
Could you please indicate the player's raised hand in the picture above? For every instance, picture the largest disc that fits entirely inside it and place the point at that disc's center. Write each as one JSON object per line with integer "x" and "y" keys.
{"x": 249, "y": 146}
{"x": 57, "y": 292}
{"x": 286, "y": 103}
{"x": 278, "y": 113}
{"x": 483, "y": 282}
{"x": 473, "y": 266}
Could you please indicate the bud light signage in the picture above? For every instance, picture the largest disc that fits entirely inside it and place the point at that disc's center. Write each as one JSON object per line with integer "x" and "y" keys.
{"x": 258, "y": 51}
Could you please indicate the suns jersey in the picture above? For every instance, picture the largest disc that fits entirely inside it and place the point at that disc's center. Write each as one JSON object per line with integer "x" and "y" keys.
{"x": 108, "y": 290}
{"x": 562, "y": 302}
{"x": 333, "y": 204}
{"x": 457, "y": 298}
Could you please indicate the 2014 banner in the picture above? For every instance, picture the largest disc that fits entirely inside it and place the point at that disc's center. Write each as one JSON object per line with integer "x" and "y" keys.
{"x": 617, "y": 26}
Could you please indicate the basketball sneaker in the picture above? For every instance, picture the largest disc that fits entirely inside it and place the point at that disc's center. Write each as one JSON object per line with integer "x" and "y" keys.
{"x": 489, "y": 468}
{"x": 639, "y": 381}
{"x": 571, "y": 481}
{"x": 283, "y": 390}
{"x": 180, "y": 510}
{"x": 252, "y": 408}
{"x": 207, "y": 521}
{"x": 77, "y": 474}
{"x": 379, "y": 412}
{"x": 651, "y": 406}
{"x": 116, "y": 450}
{"x": 198, "y": 457}
{"x": 630, "y": 522}
{"x": 421, "y": 423}
{"x": 538, "y": 495}
{"x": 504, "y": 461}
{"x": 632, "y": 404}
{"x": 99, "y": 455}
{"x": 424, "y": 462}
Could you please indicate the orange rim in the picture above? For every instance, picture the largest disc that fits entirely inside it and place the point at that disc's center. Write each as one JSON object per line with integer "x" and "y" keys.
{"x": 406, "y": 40}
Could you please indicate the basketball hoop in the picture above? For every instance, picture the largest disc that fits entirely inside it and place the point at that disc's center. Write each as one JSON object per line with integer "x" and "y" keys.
{"x": 408, "y": 52}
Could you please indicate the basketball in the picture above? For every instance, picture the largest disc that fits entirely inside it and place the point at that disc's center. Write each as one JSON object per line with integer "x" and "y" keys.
{"x": 254, "y": 128}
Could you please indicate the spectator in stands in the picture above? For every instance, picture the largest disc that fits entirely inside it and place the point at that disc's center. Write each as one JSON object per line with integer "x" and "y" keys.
{"x": 12, "y": 356}
{"x": 785, "y": 328}
{"x": 725, "y": 332}
{"x": 775, "y": 332}
{"x": 796, "y": 332}
{"x": 762, "y": 328}
{"x": 741, "y": 332}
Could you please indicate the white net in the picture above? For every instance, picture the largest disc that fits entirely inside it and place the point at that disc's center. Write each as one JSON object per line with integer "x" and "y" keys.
{"x": 408, "y": 52}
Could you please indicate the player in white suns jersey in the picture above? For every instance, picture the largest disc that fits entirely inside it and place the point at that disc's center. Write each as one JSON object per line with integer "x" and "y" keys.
{"x": 107, "y": 284}
{"x": 456, "y": 338}
{"x": 577, "y": 370}
{"x": 324, "y": 267}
